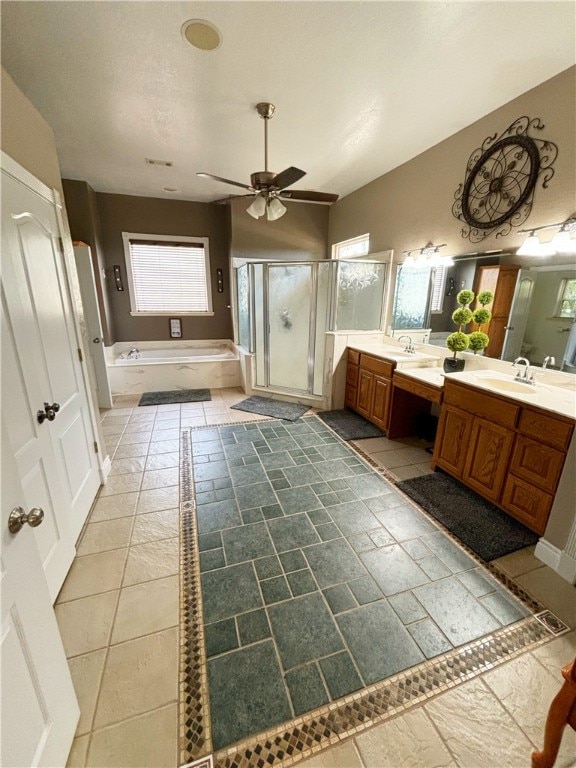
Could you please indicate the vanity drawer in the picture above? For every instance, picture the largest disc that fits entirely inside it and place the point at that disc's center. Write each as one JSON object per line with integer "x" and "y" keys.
{"x": 501, "y": 412}
{"x": 547, "y": 429}
{"x": 419, "y": 388}
{"x": 374, "y": 364}
{"x": 353, "y": 357}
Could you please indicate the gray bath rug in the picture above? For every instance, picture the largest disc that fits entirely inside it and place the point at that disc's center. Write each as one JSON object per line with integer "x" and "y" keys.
{"x": 276, "y": 408}
{"x": 349, "y": 425}
{"x": 480, "y": 525}
{"x": 175, "y": 396}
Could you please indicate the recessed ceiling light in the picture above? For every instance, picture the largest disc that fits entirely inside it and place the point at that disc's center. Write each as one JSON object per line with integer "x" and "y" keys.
{"x": 201, "y": 34}
{"x": 170, "y": 189}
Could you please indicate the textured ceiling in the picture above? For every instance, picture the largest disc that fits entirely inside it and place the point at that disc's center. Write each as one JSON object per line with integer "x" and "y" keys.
{"x": 359, "y": 87}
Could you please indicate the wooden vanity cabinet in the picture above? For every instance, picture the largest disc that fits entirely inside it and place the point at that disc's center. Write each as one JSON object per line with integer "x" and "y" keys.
{"x": 368, "y": 386}
{"x": 510, "y": 454}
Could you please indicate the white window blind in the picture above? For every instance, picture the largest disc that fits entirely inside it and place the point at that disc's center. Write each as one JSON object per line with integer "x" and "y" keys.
{"x": 438, "y": 288}
{"x": 168, "y": 276}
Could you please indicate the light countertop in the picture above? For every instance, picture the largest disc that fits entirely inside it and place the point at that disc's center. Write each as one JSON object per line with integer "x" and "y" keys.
{"x": 428, "y": 369}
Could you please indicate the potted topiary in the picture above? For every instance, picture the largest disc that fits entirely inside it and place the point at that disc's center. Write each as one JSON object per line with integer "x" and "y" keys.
{"x": 459, "y": 341}
{"x": 479, "y": 340}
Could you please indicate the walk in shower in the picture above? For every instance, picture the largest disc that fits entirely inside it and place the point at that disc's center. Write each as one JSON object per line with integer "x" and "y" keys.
{"x": 284, "y": 310}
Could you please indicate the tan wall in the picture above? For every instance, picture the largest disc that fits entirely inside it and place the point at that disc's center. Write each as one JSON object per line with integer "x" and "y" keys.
{"x": 300, "y": 235}
{"x": 412, "y": 205}
{"x": 156, "y": 216}
{"x": 26, "y": 136}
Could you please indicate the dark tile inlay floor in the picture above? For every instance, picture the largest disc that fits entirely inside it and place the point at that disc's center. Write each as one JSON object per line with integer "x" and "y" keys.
{"x": 318, "y": 577}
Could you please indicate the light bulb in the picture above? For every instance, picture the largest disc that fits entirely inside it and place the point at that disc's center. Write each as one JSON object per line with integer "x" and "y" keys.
{"x": 533, "y": 247}
{"x": 563, "y": 243}
{"x": 275, "y": 209}
{"x": 257, "y": 207}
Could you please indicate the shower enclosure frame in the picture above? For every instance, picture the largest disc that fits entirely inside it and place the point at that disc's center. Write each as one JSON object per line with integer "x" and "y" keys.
{"x": 263, "y": 377}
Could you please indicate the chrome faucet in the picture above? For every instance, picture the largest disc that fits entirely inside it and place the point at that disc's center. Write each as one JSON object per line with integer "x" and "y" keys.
{"x": 410, "y": 348}
{"x": 548, "y": 360}
{"x": 133, "y": 354}
{"x": 527, "y": 378}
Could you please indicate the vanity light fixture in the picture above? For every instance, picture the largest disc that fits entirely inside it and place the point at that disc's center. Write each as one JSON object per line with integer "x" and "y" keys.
{"x": 564, "y": 241}
{"x": 427, "y": 256}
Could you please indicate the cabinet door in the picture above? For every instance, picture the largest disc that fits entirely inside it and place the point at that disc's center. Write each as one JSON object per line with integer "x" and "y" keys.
{"x": 351, "y": 399}
{"x": 453, "y": 440}
{"x": 365, "y": 392}
{"x": 526, "y": 503}
{"x": 380, "y": 403}
{"x": 487, "y": 458}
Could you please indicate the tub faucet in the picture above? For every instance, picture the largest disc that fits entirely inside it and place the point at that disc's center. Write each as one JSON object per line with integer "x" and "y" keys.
{"x": 548, "y": 360}
{"x": 410, "y": 348}
{"x": 526, "y": 377}
{"x": 133, "y": 353}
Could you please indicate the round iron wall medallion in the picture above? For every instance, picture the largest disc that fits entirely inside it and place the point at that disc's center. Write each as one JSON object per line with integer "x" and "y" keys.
{"x": 501, "y": 178}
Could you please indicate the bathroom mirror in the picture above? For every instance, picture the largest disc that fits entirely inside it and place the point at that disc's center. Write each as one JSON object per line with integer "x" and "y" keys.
{"x": 536, "y": 309}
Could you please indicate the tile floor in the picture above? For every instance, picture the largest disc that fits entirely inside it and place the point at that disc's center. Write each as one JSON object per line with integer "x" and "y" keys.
{"x": 118, "y": 613}
{"x": 296, "y": 532}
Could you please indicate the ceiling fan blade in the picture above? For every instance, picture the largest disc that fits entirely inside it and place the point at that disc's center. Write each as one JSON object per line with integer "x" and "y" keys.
{"x": 287, "y": 177}
{"x": 230, "y": 198}
{"x": 312, "y": 197}
{"x": 226, "y": 181}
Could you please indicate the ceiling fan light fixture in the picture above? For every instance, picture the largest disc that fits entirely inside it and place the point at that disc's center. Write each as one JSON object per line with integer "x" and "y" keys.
{"x": 257, "y": 207}
{"x": 275, "y": 209}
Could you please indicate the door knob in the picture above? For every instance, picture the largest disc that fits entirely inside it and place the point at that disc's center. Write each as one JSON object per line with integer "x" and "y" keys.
{"x": 49, "y": 412}
{"x": 96, "y": 340}
{"x": 18, "y": 517}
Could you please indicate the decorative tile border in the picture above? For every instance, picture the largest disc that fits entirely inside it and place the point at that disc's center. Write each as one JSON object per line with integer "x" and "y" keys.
{"x": 194, "y": 714}
{"x": 302, "y": 737}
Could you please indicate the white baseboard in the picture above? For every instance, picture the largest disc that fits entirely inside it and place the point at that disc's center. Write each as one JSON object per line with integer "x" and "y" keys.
{"x": 557, "y": 559}
{"x": 105, "y": 468}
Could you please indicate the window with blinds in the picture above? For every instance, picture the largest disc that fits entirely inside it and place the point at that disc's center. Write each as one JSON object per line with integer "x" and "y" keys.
{"x": 168, "y": 275}
{"x": 438, "y": 285}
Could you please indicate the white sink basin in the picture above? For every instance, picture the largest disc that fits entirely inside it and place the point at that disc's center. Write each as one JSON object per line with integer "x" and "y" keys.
{"x": 505, "y": 385}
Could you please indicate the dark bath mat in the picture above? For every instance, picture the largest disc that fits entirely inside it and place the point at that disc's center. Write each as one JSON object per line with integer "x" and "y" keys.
{"x": 276, "y": 408}
{"x": 480, "y": 525}
{"x": 175, "y": 396}
{"x": 349, "y": 425}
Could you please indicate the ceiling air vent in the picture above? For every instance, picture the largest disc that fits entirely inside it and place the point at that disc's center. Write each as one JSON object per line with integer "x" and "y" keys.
{"x": 166, "y": 163}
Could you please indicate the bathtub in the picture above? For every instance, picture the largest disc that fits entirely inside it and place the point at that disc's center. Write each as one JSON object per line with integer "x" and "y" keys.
{"x": 172, "y": 365}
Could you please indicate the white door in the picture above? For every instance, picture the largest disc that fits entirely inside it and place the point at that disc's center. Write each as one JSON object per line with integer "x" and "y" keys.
{"x": 516, "y": 326}
{"x": 39, "y": 711}
{"x": 87, "y": 282}
{"x": 55, "y": 456}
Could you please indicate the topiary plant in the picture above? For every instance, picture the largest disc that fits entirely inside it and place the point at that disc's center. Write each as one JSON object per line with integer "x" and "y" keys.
{"x": 477, "y": 339}
{"x": 459, "y": 341}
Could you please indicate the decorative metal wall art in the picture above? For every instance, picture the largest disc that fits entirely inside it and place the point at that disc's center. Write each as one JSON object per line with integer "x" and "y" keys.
{"x": 501, "y": 176}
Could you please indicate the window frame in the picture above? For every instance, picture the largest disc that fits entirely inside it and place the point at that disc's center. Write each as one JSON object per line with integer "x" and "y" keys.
{"x": 174, "y": 239}
{"x": 336, "y": 247}
{"x": 562, "y": 288}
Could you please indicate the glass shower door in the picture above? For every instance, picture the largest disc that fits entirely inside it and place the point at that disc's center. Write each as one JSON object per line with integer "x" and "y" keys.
{"x": 290, "y": 308}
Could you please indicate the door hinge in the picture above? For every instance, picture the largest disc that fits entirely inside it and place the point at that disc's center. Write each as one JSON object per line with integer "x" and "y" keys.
{"x": 95, "y": 447}
{"x": 61, "y": 244}
{"x": 80, "y": 355}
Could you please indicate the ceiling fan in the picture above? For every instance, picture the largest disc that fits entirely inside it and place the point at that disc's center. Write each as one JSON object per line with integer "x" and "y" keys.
{"x": 268, "y": 188}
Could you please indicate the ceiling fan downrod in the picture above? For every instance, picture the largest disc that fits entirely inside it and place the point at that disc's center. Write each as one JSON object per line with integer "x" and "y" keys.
{"x": 266, "y": 111}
